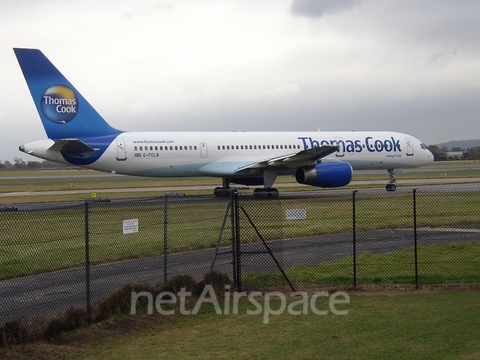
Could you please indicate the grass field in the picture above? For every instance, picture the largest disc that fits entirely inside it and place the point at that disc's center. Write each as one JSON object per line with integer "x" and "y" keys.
{"x": 437, "y": 264}
{"x": 416, "y": 325}
{"x": 425, "y": 324}
{"x": 35, "y": 242}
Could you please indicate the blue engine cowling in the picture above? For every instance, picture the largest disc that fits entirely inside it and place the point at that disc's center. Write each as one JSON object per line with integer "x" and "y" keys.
{"x": 334, "y": 174}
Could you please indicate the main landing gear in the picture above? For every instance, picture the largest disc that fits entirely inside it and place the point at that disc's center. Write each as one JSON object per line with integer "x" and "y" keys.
{"x": 265, "y": 192}
{"x": 225, "y": 190}
{"x": 391, "y": 183}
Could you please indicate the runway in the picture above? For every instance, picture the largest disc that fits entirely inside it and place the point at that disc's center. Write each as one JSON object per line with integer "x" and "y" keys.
{"x": 284, "y": 194}
{"x": 163, "y": 189}
{"x": 441, "y": 171}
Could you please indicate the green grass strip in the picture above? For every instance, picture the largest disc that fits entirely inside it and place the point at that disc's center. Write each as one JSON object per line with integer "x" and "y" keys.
{"x": 437, "y": 264}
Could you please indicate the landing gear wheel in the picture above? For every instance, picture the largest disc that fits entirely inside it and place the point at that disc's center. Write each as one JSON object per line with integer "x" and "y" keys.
{"x": 222, "y": 191}
{"x": 391, "y": 187}
{"x": 261, "y": 193}
{"x": 391, "y": 183}
{"x": 258, "y": 192}
{"x": 273, "y": 193}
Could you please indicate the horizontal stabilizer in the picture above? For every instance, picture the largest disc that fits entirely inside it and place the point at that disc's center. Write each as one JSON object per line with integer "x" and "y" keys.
{"x": 72, "y": 147}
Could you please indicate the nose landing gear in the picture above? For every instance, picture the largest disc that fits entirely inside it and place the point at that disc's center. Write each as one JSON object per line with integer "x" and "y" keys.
{"x": 391, "y": 183}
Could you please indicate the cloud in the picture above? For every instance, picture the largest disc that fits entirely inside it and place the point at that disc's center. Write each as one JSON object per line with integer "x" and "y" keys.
{"x": 404, "y": 65}
{"x": 283, "y": 91}
{"x": 139, "y": 107}
{"x": 318, "y": 8}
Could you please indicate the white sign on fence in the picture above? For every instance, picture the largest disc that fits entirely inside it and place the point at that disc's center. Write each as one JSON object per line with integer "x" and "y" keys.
{"x": 130, "y": 226}
{"x": 296, "y": 214}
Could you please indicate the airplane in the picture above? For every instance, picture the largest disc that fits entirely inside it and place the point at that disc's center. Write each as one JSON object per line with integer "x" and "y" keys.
{"x": 78, "y": 135}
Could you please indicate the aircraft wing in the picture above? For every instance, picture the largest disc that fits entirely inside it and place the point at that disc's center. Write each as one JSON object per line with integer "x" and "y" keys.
{"x": 300, "y": 158}
{"x": 72, "y": 146}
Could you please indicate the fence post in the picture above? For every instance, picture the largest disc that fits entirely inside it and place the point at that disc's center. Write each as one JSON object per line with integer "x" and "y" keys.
{"x": 354, "y": 230}
{"x": 415, "y": 236}
{"x": 233, "y": 221}
{"x": 238, "y": 250}
{"x": 165, "y": 239}
{"x": 87, "y": 264}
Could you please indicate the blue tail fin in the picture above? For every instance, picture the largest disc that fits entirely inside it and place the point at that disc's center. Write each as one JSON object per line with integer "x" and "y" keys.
{"x": 64, "y": 111}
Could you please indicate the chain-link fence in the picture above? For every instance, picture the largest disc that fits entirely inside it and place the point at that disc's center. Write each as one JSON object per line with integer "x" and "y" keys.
{"x": 74, "y": 255}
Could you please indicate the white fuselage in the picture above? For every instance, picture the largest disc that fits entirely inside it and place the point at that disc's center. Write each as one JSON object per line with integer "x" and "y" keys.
{"x": 189, "y": 154}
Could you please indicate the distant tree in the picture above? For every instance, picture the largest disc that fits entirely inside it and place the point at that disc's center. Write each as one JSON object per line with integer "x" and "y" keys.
{"x": 472, "y": 153}
{"x": 19, "y": 163}
{"x": 46, "y": 164}
{"x": 439, "y": 154}
{"x": 456, "y": 148}
{"x": 8, "y": 164}
{"x": 33, "y": 165}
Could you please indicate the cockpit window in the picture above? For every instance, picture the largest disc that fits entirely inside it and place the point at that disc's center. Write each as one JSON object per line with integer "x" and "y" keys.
{"x": 423, "y": 146}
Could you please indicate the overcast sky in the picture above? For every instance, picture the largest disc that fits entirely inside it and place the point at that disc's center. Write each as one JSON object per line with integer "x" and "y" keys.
{"x": 402, "y": 65}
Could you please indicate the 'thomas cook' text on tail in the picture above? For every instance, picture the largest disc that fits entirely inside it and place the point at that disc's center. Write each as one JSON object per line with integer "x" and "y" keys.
{"x": 64, "y": 111}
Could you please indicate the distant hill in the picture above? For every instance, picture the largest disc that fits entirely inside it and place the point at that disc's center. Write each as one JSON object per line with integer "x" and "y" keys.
{"x": 464, "y": 144}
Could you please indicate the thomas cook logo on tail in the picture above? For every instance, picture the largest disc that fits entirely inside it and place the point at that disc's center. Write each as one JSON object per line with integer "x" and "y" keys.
{"x": 59, "y": 104}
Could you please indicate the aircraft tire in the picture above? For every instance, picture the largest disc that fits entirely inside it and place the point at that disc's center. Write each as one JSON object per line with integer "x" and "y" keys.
{"x": 391, "y": 187}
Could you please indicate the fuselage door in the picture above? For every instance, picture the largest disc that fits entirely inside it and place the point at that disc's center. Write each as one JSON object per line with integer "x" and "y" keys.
{"x": 341, "y": 147}
{"x": 203, "y": 150}
{"x": 409, "y": 146}
{"x": 121, "y": 150}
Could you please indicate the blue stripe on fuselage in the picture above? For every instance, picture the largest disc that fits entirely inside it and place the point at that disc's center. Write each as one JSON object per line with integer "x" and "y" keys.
{"x": 99, "y": 142}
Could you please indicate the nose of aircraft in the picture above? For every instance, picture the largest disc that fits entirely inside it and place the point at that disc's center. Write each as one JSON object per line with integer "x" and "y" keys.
{"x": 429, "y": 156}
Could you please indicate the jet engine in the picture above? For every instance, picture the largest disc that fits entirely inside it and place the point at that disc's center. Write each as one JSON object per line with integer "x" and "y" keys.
{"x": 330, "y": 174}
